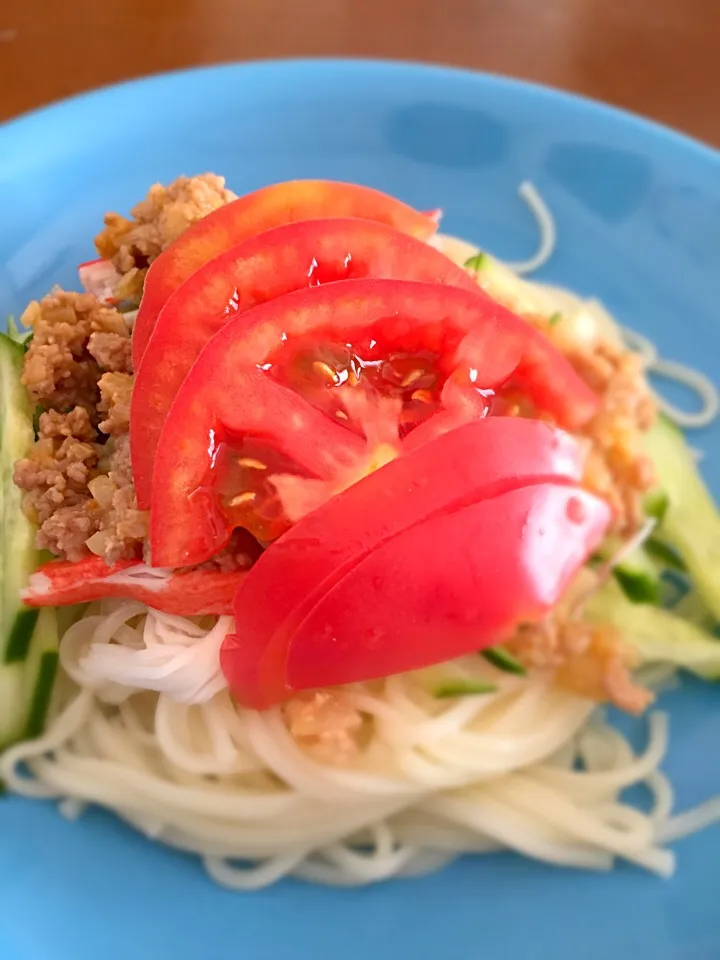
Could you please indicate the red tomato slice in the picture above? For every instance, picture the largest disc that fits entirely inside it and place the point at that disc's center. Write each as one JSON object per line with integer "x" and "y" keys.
{"x": 254, "y": 213}
{"x": 405, "y": 507}
{"x": 61, "y": 583}
{"x": 457, "y": 583}
{"x": 267, "y": 266}
{"x": 394, "y": 339}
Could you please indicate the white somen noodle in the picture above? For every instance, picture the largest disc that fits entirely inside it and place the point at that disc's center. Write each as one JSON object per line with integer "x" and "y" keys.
{"x": 433, "y": 779}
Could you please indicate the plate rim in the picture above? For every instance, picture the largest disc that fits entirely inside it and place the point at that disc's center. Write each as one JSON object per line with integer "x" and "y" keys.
{"x": 548, "y": 93}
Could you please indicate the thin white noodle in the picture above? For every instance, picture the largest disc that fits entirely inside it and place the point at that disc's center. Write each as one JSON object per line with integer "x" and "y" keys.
{"x": 690, "y": 821}
{"x": 641, "y": 345}
{"x": 702, "y": 385}
{"x": 287, "y": 814}
{"x": 546, "y": 225}
{"x": 254, "y": 877}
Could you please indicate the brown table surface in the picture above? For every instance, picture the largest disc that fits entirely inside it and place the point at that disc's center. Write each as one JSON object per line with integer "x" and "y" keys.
{"x": 657, "y": 57}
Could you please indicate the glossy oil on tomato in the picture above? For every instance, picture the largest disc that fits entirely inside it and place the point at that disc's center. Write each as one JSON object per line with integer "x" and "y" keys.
{"x": 255, "y": 213}
{"x": 390, "y": 335}
{"x": 263, "y": 268}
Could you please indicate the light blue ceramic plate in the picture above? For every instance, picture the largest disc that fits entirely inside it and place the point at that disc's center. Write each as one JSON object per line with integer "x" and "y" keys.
{"x": 638, "y": 214}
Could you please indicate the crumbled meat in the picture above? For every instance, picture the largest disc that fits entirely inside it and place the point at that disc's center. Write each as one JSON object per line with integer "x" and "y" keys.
{"x": 325, "y": 724}
{"x": 75, "y": 339}
{"x": 67, "y": 530}
{"x": 589, "y": 659}
{"x": 166, "y": 212}
{"x": 56, "y": 472}
{"x": 115, "y": 396}
{"x": 60, "y": 371}
{"x": 120, "y": 465}
{"x": 75, "y": 424}
{"x": 618, "y": 468}
{"x": 112, "y": 351}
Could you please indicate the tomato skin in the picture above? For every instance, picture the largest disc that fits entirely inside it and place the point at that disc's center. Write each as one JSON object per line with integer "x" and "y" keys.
{"x": 63, "y": 583}
{"x": 188, "y": 529}
{"x": 480, "y": 460}
{"x": 254, "y": 213}
{"x": 457, "y": 583}
{"x": 279, "y": 261}
{"x": 217, "y": 395}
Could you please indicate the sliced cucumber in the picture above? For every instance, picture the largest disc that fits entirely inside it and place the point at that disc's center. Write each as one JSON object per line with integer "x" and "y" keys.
{"x": 656, "y": 504}
{"x": 658, "y": 635}
{"x": 18, "y": 556}
{"x": 502, "y": 659}
{"x": 665, "y": 555}
{"x": 639, "y": 577}
{"x": 463, "y": 688}
{"x": 26, "y": 687}
{"x": 28, "y": 639}
{"x": 691, "y": 522}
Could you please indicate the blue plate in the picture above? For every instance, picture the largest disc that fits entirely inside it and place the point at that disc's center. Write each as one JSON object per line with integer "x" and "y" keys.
{"x": 638, "y": 215}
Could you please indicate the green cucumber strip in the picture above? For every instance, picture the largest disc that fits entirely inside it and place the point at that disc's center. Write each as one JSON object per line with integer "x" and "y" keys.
{"x": 20, "y": 636}
{"x": 665, "y": 554}
{"x": 637, "y": 585}
{"x": 659, "y": 635}
{"x": 477, "y": 262}
{"x": 656, "y": 504}
{"x": 691, "y": 523}
{"x": 13, "y": 704}
{"x": 40, "y": 702}
{"x": 463, "y": 688}
{"x": 502, "y": 659}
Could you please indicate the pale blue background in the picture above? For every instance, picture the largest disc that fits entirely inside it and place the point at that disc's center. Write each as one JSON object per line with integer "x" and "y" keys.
{"x": 638, "y": 214}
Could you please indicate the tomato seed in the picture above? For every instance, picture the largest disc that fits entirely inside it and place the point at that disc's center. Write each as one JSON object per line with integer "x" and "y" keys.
{"x": 242, "y": 498}
{"x": 424, "y": 396}
{"x": 412, "y": 377}
{"x": 324, "y": 370}
{"x": 249, "y": 463}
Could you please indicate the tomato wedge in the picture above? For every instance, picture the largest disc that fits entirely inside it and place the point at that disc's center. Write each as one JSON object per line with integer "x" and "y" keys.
{"x": 350, "y": 369}
{"x": 62, "y": 583}
{"x": 254, "y": 213}
{"x": 263, "y": 268}
{"x": 446, "y": 548}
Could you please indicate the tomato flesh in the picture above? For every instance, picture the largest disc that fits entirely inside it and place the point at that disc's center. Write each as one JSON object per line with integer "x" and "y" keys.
{"x": 63, "y": 583}
{"x": 255, "y": 213}
{"x": 194, "y": 523}
{"x": 289, "y": 604}
{"x": 262, "y": 268}
{"x": 245, "y": 386}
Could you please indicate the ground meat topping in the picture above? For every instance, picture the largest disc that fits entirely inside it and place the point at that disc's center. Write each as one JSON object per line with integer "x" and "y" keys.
{"x": 60, "y": 369}
{"x": 166, "y": 212}
{"x": 123, "y": 527}
{"x": 115, "y": 395}
{"x": 111, "y": 350}
{"x": 590, "y": 659}
{"x": 55, "y": 477}
{"x": 325, "y": 724}
{"x": 75, "y": 338}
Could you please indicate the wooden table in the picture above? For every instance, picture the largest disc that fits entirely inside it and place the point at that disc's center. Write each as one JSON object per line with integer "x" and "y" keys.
{"x": 657, "y": 57}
